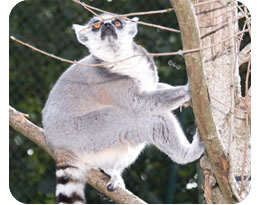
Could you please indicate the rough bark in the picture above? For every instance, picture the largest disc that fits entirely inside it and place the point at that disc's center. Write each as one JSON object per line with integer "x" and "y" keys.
{"x": 18, "y": 121}
{"x": 215, "y": 90}
{"x": 200, "y": 97}
{"x": 221, "y": 69}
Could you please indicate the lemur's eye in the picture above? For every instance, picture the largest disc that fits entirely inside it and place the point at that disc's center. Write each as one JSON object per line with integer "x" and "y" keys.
{"x": 97, "y": 25}
{"x": 117, "y": 23}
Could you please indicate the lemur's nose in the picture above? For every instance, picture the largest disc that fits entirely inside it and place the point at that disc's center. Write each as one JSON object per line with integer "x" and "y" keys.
{"x": 107, "y": 24}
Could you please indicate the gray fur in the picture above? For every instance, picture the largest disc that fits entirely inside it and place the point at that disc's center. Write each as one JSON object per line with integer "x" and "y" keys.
{"x": 91, "y": 109}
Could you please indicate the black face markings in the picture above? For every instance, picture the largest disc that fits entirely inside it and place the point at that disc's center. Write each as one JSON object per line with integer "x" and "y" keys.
{"x": 107, "y": 29}
{"x": 93, "y": 21}
{"x": 96, "y": 25}
{"x": 118, "y": 23}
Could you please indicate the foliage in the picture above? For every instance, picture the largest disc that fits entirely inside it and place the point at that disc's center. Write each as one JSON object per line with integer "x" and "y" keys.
{"x": 46, "y": 24}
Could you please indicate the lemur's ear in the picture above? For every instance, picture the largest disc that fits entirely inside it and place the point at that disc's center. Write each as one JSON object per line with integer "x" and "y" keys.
{"x": 133, "y": 26}
{"x": 80, "y": 33}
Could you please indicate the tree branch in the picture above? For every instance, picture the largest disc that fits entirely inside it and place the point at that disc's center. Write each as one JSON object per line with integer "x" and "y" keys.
{"x": 91, "y": 8}
{"x": 18, "y": 121}
{"x": 200, "y": 98}
{"x": 180, "y": 52}
{"x": 245, "y": 54}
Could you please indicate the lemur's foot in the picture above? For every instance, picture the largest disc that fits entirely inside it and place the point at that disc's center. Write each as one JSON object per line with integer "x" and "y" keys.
{"x": 115, "y": 180}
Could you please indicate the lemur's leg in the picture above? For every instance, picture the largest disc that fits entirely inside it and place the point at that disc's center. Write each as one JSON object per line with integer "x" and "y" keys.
{"x": 167, "y": 135}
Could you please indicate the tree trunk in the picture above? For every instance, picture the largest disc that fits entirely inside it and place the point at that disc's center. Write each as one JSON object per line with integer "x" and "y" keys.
{"x": 221, "y": 114}
{"x": 217, "y": 21}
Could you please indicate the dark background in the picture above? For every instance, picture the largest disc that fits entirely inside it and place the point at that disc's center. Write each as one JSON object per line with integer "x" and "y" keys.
{"x": 47, "y": 24}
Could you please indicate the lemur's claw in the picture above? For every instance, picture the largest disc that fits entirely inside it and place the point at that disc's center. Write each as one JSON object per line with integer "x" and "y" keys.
{"x": 110, "y": 187}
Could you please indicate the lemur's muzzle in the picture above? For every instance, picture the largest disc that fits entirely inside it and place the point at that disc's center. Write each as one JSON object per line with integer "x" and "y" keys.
{"x": 108, "y": 29}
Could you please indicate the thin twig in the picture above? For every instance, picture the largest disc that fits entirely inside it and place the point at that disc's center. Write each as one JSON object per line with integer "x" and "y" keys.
{"x": 243, "y": 111}
{"x": 43, "y": 52}
{"x": 218, "y": 27}
{"x": 205, "y": 2}
{"x": 86, "y": 7}
{"x": 233, "y": 9}
{"x": 247, "y": 178}
{"x": 211, "y": 10}
{"x": 90, "y": 7}
{"x": 240, "y": 40}
{"x": 76, "y": 62}
{"x": 128, "y": 14}
{"x": 245, "y": 15}
{"x": 196, "y": 49}
{"x": 149, "y": 12}
{"x": 233, "y": 66}
{"x": 157, "y": 26}
{"x": 247, "y": 97}
{"x": 125, "y": 59}
{"x": 70, "y": 61}
{"x": 244, "y": 158}
{"x": 244, "y": 55}
{"x": 220, "y": 23}
{"x": 139, "y": 22}
{"x": 246, "y": 101}
{"x": 247, "y": 131}
{"x": 214, "y": 30}
{"x": 131, "y": 14}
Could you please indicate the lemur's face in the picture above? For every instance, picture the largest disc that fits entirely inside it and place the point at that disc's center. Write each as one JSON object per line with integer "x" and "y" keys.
{"x": 114, "y": 35}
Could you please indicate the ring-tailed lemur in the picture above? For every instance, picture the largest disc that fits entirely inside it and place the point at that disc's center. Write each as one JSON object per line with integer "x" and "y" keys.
{"x": 103, "y": 117}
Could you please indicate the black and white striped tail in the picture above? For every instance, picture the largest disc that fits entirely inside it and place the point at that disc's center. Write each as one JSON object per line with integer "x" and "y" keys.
{"x": 70, "y": 185}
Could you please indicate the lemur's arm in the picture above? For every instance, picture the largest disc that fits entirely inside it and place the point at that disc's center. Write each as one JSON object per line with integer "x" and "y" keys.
{"x": 162, "y": 100}
{"x": 130, "y": 98}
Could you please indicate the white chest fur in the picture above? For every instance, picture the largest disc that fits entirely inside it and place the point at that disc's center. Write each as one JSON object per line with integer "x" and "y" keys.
{"x": 138, "y": 68}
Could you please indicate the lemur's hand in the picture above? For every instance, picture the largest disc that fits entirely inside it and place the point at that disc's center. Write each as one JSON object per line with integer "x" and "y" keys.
{"x": 187, "y": 85}
{"x": 188, "y": 103}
